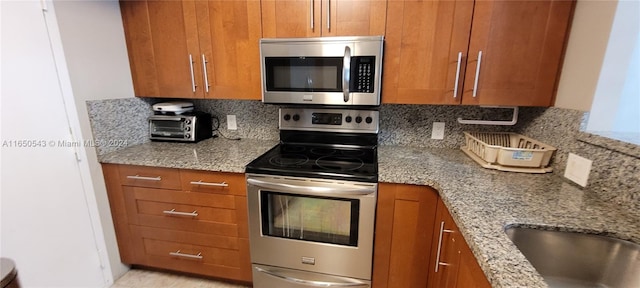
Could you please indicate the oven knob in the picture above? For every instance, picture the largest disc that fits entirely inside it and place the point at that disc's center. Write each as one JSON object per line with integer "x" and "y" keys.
{"x": 187, "y": 135}
{"x": 348, "y": 119}
{"x": 358, "y": 119}
{"x": 296, "y": 117}
{"x": 287, "y": 117}
{"x": 187, "y": 128}
{"x": 188, "y": 121}
{"x": 368, "y": 120}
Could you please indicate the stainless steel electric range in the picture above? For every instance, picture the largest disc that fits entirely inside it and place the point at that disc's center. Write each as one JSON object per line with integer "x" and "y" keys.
{"x": 312, "y": 200}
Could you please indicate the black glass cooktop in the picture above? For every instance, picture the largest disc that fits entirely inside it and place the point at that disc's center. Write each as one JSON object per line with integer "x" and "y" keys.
{"x": 311, "y": 161}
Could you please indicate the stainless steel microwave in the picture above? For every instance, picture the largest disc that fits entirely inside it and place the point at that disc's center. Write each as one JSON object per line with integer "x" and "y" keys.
{"x": 322, "y": 71}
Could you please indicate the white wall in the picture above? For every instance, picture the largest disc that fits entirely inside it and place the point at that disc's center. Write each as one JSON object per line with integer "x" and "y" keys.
{"x": 46, "y": 224}
{"x": 58, "y": 226}
{"x": 617, "y": 94}
{"x": 92, "y": 36}
{"x": 585, "y": 52}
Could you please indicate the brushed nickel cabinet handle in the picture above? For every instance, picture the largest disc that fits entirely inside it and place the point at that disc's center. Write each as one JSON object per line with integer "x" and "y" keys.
{"x": 442, "y": 231}
{"x": 475, "y": 83}
{"x": 206, "y": 75}
{"x": 223, "y": 184}
{"x": 185, "y": 255}
{"x": 193, "y": 80}
{"x": 177, "y": 213}
{"x": 328, "y": 15}
{"x": 311, "y": 12}
{"x": 455, "y": 87}
{"x": 138, "y": 177}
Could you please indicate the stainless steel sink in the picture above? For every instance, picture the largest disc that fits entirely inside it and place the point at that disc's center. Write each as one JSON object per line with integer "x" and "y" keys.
{"x": 568, "y": 259}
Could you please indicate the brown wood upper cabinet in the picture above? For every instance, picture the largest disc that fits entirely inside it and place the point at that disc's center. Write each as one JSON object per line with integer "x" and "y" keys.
{"x": 194, "y": 49}
{"x": 315, "y": 18}
{"x": 474, "y": 52}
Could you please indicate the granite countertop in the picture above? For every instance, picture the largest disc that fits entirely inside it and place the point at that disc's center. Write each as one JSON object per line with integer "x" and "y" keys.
{"x": 215, "y": 154}
{"x": 482, "y": 202}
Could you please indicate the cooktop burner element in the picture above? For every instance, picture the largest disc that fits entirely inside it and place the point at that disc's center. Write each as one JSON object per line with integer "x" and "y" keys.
{"x": 323, "y": 143}
{"x": 339, "y": 163}
{"x": 288, "y": 160}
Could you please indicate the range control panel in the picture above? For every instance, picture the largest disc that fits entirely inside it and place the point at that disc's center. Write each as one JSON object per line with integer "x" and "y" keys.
{"x": 339, "y": 120}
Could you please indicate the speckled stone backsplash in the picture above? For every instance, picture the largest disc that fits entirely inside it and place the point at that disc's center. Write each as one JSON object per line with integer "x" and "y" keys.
{"x": 615, "y": 174}
{"x": 119, "y": 121}
{"x": 254, "y": 119}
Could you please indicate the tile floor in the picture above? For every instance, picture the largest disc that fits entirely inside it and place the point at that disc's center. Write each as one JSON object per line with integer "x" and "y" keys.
{"x": 137, "y": 278}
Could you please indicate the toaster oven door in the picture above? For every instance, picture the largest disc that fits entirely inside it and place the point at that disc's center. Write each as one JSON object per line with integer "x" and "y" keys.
{"x": 167, "y": 128}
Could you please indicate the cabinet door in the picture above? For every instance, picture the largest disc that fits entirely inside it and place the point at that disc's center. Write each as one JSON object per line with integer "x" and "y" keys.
{"x": 230, "y": 33}
{"x": 291, "y": 18}
{"x": 404, "y": 227}
{"x": 353, "y": 18}
{"x": 470, "y": 274}
{"x": 162, "y": 41}
{"x": 445, "y": 254}
{"x": 521, "y": 44}
{"x": 426, "y": 51}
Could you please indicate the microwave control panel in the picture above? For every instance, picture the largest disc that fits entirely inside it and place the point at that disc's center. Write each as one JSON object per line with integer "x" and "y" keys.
{"x": 362, "y": 71}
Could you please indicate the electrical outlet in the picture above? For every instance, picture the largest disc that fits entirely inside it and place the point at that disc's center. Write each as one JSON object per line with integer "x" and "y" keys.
{"x": 437, "y": 132}
{"x": 231, "y": 122}
{"x": 578, "y": 169}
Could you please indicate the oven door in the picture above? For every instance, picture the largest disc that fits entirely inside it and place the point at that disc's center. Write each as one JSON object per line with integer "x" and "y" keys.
{"x": 317, "y": 225}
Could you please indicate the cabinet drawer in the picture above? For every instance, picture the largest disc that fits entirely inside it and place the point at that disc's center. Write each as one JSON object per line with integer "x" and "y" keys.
{"x": 152, "y": 177}
{"x": 188, "y": 252}
{"x": 213, "y": 182}
{"x": 185, "y": 211}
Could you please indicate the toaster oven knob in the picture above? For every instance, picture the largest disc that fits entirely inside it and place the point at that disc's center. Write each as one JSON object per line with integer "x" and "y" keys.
{"x": 368, "y": 120}
{"x": 348, "y": 119}
{"x": 287, "y": 117}
{"x": 358, "y": 119}
{"x": 188, "y": 121}
{"x": 187, "y": 135}
{"x": 187, "y": 128}
{"x": 296, "y": 117}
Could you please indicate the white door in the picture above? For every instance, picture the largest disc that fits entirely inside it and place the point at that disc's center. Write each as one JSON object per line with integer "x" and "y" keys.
{"x": 45, "y": 225}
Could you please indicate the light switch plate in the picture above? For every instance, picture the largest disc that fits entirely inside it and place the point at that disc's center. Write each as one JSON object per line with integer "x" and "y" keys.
{"x": 578, "y": 169}
{"x": 231, "y": 122}
{"x": 437, "y": 132}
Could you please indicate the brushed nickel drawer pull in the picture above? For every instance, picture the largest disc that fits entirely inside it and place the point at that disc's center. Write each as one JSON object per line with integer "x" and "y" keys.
{"x": 223, "y": 184}
{"x": 174, "y": 212}
{"x": 185, "y": 255}
{"x": 138, "y": 177}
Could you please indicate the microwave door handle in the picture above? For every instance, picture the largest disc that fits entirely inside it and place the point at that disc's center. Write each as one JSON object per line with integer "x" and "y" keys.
{"x": 346, "y": 73}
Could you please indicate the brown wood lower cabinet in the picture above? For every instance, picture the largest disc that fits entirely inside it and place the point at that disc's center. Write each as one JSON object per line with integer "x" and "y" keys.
{"x": 452, "y": 263}
{"x": 407, "y": 237}
{"x": 181, "y": 220}
{"x": 404, "y": 228}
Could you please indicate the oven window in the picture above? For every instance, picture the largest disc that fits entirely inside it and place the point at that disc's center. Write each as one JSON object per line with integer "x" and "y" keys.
{"x": 310, "y": 218}
{"x": 167, "y": 126}
{"x": 304, "y": 74}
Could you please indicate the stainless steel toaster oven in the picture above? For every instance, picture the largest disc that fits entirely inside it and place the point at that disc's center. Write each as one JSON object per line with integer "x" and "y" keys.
{"x": 191, "y": 127}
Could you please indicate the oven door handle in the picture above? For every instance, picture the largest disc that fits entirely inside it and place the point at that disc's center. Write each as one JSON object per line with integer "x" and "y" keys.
{"x": 310, "y": 282}
{"x": 359, "y": 191}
